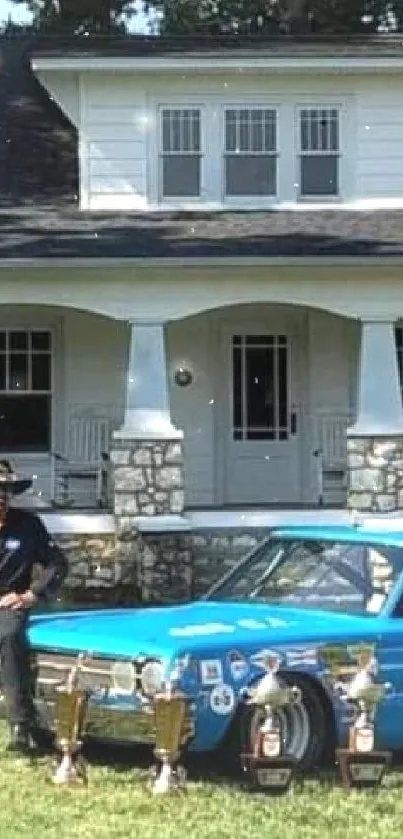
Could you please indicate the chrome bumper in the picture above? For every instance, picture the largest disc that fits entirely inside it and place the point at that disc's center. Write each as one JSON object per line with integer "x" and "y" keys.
{"x": 110, "y": 717}
{"x": 107, "y": 723}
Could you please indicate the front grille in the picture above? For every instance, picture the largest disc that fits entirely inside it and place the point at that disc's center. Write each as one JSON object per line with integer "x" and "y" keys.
{"x": 52, "y": 669}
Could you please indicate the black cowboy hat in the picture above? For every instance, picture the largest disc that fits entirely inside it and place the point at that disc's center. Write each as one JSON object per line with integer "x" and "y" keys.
{"x": 10, "y": 481}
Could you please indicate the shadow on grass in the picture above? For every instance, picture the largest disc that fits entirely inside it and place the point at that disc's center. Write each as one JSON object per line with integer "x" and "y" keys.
{"x": 216, "y": 767}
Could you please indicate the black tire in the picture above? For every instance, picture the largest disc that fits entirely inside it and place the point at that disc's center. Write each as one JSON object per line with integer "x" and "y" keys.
{"x": 313, "y": 716}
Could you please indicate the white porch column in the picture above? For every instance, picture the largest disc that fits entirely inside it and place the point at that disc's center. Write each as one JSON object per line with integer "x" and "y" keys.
{"x": 379, "y": 406}
{"x": 375, "y": 440}
{"x": 147, "y": 410}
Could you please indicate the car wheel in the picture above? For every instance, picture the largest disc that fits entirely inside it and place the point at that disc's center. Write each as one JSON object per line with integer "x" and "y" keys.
{"x": 307, "y": 727}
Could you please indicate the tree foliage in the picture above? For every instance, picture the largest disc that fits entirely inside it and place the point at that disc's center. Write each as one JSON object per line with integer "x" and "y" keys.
{"x": 75, "y": 17}
{"x": 220, "y": 17}
{"x": 273, "y": 17}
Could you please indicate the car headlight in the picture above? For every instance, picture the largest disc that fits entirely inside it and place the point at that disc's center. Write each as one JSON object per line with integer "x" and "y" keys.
{"x": 123, "y": 677}
{"x": 152, "y": 677}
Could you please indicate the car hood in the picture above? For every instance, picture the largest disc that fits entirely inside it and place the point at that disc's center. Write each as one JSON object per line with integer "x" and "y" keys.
{"x": 168, "y": 630}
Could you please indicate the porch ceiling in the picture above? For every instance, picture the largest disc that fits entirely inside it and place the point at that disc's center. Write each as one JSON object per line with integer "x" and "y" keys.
{"x": 63, "y": 233}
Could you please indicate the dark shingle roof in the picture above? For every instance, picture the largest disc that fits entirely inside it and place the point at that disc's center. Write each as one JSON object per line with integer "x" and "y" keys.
{"x": 63, "y": 233}
{"x": 381, "y": 46}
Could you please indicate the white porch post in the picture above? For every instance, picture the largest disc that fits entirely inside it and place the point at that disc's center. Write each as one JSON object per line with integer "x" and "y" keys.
{"x": 379, "y": 408}
{"x": 375, "y": 440}
{"x": 147, "y": 409}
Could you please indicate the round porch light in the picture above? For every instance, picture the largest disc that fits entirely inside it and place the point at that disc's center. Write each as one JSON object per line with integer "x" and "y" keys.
{"x": 183, "y": 377}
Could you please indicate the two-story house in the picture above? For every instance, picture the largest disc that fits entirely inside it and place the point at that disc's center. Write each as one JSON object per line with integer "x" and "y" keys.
{"x": 223, "y": 310}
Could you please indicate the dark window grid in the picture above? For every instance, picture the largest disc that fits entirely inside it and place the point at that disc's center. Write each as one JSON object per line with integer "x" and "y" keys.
{"x": 319, "y": 130}
{"x": 241, "y": 429}
{"x": 181, "y": 131}
{"x": 6, "y": 372}
{"x": 251, "y": 131}
{"x": 10, "y": 356}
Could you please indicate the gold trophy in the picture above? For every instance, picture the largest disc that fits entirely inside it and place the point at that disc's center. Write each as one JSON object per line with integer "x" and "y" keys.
{"x": 71, "y": 717}
{"x": 361, "y": 766}
{"x": 173, "y": 730}
{"x": 267, "y": 767}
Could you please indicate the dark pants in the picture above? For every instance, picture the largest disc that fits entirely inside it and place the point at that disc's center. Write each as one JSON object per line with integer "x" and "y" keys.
{"x": 15, "y": 667}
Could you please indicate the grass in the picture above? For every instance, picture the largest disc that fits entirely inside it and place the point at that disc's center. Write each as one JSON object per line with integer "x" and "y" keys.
{"x": 117, "y": 805}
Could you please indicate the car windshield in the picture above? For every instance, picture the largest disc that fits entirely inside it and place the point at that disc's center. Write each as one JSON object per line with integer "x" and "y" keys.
{"x": 351, "y": 577}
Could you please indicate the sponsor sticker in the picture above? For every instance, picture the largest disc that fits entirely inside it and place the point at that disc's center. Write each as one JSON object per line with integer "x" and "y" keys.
{"x": 12, "y": 544}
{"x": 238, "y": 665}
{"x": 222, "y": 700}
{"x": 211, "y": 672}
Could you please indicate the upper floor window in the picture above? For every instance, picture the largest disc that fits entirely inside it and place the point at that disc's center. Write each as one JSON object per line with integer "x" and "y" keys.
{"x": 180, "y": 152}
{"x": 319, "y": 151}
{"x": 25, "y": 390}
{"x": 250, "y": 152}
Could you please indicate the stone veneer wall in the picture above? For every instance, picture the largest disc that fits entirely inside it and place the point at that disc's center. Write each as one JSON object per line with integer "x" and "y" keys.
{"x": 152, "y": 568}
{"x": 375, "y": 473}
{"x": 148, "y": 478}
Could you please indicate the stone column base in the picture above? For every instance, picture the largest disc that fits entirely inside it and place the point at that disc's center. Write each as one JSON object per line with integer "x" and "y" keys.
{"x": 375, "y": 473}
{"x": 147, "y": 478}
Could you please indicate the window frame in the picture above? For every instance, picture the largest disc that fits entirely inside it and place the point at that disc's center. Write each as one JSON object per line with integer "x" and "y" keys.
{"x": 180, "y": 199}
{"x": 311, "y": 105}
{"x": 21, "y": 394}
{"x": 271, "y": 198}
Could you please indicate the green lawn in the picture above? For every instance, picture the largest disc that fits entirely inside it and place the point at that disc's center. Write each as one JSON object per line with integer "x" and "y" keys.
{"x": 117, "y": 805}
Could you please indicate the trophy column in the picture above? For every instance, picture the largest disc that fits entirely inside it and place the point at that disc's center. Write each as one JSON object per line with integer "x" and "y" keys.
{"x": 71, "y": 717}
{"x": 266, "y": 766}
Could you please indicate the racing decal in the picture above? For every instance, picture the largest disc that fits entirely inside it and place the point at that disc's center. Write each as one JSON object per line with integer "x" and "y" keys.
{"x": 238, "y": 665}
{"x": 211, "y": 672}
{"x": 200, "y": 629}
{"x": 259, "y": 658}
{"x": 302, "y": 657}
{"x": 222, "y": 700}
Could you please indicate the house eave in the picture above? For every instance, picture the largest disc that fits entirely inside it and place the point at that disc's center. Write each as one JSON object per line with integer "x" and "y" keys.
{"x": 183, "y": 263}
{"x": 208, "y": 63}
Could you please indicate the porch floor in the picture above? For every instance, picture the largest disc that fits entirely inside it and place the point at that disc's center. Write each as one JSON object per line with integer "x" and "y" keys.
{"x": 98, "y": 522}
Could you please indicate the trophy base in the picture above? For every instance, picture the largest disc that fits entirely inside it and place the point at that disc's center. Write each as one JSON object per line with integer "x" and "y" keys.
{"x": 71, "y": 770}
{"x": 270, "y": 775}
{"x": 167, "y": 779}
{"x": 362, "y": 770}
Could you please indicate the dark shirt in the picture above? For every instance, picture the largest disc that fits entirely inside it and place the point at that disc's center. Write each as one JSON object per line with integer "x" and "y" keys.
{"x": 25, "y": 542}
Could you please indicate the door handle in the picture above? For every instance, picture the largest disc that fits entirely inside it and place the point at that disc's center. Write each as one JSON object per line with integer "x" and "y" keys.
{"x": 293, "y": 423}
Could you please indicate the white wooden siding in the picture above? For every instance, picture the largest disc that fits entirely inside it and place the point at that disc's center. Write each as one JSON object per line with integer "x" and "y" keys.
{"x": 113, "y": 158}
{"x": 189, "y": 342}
{"x": 118, "y": 119}
{"x": 379, "y": 172}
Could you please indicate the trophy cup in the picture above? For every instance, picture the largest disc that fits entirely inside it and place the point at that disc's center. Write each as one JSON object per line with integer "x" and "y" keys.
{"x": 361, "y": 766}
{"x": 267, "y": 767}
{"x": 173, "y": 730}
{"x": 71, "y": 715}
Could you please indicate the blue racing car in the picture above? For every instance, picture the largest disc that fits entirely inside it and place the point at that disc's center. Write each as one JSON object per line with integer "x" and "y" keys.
{"x": 303, "y": 588}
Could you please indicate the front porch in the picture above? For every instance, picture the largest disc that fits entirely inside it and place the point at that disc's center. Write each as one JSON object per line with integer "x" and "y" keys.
{"x": 264, "y": 424}
{"x": 250, "y": 406}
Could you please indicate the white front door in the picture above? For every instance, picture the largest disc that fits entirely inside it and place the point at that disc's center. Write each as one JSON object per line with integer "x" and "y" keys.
{"x": 263, "y": 440}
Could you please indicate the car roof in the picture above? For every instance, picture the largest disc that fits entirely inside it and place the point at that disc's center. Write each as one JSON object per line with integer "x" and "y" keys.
{"x": 380, "y": 533}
